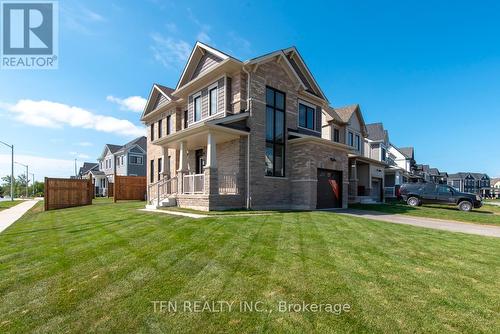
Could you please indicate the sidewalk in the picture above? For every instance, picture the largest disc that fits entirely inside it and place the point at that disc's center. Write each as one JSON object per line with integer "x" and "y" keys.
{"x": 10, "y": 216}
{"x": 437, "y": 224}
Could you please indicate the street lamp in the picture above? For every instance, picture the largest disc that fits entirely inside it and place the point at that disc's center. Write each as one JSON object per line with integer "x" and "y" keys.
{"x": 11, "y": 171}
{"x": 33, "y": 186}
{"x": 27, "y": 176}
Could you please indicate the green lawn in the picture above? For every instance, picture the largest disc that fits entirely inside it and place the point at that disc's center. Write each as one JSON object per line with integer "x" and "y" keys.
{"x": 488, "y": 214}
{"x": 98, "y": 268}
{"x": 8, "y": 204}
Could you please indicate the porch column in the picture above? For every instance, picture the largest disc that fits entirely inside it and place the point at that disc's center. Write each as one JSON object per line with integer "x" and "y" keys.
{"x": 182, "y": 166}
{"x": 166, "y": 163}
{"x": 211, "y": 152}
{"x": 353, "y": 180}
{"x": 211, "y": 174}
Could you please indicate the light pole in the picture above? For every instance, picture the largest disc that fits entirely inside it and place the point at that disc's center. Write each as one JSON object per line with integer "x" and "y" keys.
{"x": 33, "y": 186}
{"x": 11, "y": 171}
{"x": 27, "y": 176}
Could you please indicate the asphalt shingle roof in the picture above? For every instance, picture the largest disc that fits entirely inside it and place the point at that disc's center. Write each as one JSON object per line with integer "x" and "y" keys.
{"x": 407, "y": 151}
{"x": 376, "y": 131}
{"x": 345, "y": 113}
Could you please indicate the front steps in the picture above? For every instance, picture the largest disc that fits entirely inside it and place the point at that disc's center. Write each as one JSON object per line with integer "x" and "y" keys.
{"x": 167, "y": 202}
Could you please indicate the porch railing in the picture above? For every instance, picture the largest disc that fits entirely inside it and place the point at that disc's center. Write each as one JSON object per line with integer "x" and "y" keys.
{"x": 162, "y": 189}
{"x": 228, "y": 183}
{"x": 194, "y": 184}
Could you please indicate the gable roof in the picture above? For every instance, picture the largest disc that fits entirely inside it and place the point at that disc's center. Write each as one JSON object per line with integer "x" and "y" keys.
{"x": 87, "y": 166}
{"x": 200, "y": 51}
{"x": 158, "y": 97}
{"x": 407, "y": 152}
{"x": 376, "y": 132}
{"x": 345, "y": 114}
{"x": 463, "y": 175}
{"x": 434, "y": 171}
{"x": 139, "y": 141}
{"x": 296, "y": 63}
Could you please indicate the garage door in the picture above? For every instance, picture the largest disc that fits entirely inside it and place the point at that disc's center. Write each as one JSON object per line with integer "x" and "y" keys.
{"x": 329, "y": 189}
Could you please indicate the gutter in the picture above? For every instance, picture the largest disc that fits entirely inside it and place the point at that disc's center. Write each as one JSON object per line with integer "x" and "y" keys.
{"x": 248, "y": 199}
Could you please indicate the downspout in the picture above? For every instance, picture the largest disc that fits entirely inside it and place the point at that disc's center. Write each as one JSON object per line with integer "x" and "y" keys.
{"x": 248, "y": 139}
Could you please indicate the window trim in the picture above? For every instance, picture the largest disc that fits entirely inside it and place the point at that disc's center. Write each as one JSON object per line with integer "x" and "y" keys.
{"x": 214, "y": 86}
{"x": 313, "y": 107}
{"x": 335, "y": 128}
{"x": 168, "y": 121}
{"x": 136, "y": 156}
{"x": 273, "y": 142}
{"x": 152, "y": 171}
{"x": 196, "y": 96}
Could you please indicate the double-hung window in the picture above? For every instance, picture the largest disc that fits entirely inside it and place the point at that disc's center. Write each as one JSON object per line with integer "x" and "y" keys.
{"x": 212, "y": 94}
{"x": 168, "y": 124}
{"x": 350, "y": 139}
{"x": 197, "y": 108}
{"x": 159, "y": 128}
{"x": 336, "y": 135}
{"x": 152, "y": 131}
{"x": 306, "y": 116}
{"x": 160, "y": 167}
{"x": 358, "y": 143}
{"x": 185, "y": 119}
{"x": 275, "y": 133}
{"x": 152, "y": 171}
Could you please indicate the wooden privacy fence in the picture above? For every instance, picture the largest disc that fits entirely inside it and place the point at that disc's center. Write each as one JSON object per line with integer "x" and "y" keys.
{"x": 129, "y": 188}
{"x": 110, "y": 189}
{"x": 66, "y": 193}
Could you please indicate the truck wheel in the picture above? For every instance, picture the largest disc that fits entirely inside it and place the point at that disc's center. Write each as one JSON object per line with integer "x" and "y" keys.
{"x": 413, "y": 201}
{"x": 465, "y": 206}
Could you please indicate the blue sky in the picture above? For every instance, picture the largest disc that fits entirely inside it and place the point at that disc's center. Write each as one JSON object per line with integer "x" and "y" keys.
{"x": 430, "y": 71}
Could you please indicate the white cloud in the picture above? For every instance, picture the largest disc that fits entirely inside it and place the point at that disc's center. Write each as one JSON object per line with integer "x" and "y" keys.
{"x": 80, "y": 18}
{"x": 171, "y": 27}
{"x": 241, "y": 45}
{"x": 132, "y": 103}
{"x": 40, "y": 166}
{"x": 168, "y": 51}
{"x": 85, "y": 144}
{"x": 56, "y": 115}
{"x": 203, "y": 37}
{"x": 79, "y": 155}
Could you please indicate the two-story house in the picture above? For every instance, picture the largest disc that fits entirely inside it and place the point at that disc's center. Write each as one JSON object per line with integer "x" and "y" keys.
{"x": 366, "y": 167}
{"x": 125, "y": 160}
{"x": 243, "y": 134}
{"x": 476, "y": 183}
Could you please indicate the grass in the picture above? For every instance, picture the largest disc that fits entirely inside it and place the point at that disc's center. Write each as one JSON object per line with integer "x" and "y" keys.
{"x": 8, "y": 204}
{"x": 98, "y": 268}
{"x": 488, "y": 214}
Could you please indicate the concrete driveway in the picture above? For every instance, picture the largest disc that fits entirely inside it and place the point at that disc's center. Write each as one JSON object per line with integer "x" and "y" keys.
{"x": 437, "y": 224}
{"x": 9, "y": 216}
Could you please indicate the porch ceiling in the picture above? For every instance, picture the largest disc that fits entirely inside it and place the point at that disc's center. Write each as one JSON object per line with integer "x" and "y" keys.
{"x": 195, "y": 138}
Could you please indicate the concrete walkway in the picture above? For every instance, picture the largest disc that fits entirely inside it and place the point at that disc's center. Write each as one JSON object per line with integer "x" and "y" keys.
{"x": 176, "y": 213}
{"x": 11, "y": 215}
{"x": 437, "y": 224}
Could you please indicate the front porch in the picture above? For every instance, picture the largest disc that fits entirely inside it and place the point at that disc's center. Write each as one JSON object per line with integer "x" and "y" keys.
{"x": 203, "y": 168}
{"x": 366, "y": 180}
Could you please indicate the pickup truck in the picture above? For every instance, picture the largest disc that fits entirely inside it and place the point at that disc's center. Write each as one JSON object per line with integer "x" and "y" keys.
{"x": 416, "y": 194}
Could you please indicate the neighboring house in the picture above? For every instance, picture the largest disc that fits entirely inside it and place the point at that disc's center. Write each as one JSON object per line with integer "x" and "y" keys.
{"x": 476, "y": 183}
{"x": 86, "y": 168}
{"x": 400, "y": 161}
{"x": 367, "y": 157}
{"x": 126, "y": 160}
{"x": 438, "y": 177}
{"x": 236, "y": 134}
{"x": 495, "y": 186}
